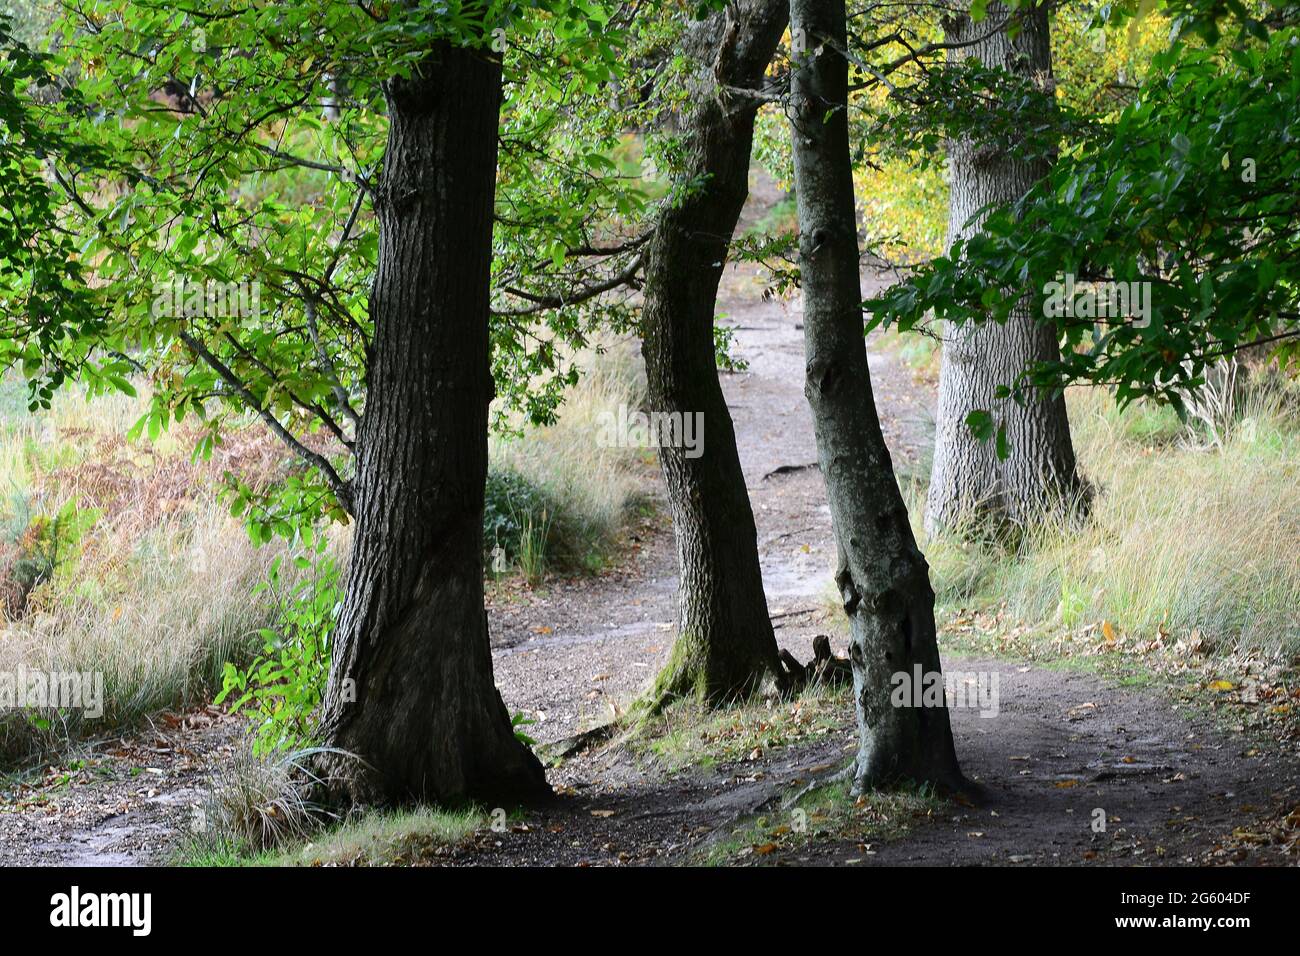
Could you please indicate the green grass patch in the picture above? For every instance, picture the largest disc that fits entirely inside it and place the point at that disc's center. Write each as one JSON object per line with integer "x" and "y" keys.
{"x": 687, "y": 735}
{"x": 376, "y": 839}
{"x": 824, "y": 815}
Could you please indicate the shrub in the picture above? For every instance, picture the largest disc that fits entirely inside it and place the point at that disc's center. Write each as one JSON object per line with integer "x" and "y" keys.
{"x": 283, "y": 686}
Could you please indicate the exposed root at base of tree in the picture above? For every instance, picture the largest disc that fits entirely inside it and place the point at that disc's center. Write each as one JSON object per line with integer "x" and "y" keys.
{"x": 789, "y": 678}
{"x": 824, "y": 668}
{"x": 553, "y": 753}
{"x": 844, "y": 774}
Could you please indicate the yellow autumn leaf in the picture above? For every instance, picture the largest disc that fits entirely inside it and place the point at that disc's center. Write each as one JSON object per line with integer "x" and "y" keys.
{"x": 1221, "y": 685}
{"x": 1108, "y": 632}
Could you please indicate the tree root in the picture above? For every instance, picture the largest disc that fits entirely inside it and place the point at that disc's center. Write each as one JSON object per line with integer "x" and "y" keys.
{"x": 553, "y": 753}
{"x": 825, "y": 668}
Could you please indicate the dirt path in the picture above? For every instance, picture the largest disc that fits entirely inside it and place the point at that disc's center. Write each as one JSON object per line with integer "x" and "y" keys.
{"x": 574, "y": 653}
{"x": 1172, "y": 787}
{"x": 124, "y": 802}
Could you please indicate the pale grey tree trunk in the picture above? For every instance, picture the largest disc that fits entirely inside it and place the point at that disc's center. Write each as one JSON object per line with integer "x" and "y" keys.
{"x": 968, "y": 480}
{"x": 883, "y": 579}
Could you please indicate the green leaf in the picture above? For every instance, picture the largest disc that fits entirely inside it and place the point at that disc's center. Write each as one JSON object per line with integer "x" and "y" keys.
{"x": 980, "y": 423}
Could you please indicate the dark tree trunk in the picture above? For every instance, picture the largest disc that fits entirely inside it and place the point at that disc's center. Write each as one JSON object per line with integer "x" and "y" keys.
{"x": 968, "y": 480}
{"x": 411, "y": 691}
{"x": 883, "y": 580}
{"x": 725, "y": 646}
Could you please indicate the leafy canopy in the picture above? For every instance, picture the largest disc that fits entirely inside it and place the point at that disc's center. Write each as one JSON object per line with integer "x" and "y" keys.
{"x": 217, "y": 170}
{"x": 1192, "y": 189}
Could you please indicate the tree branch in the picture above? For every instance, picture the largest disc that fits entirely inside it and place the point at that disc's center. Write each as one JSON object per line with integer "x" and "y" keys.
{"x": 543, "y": 302}
{"x": 342, "y": 489}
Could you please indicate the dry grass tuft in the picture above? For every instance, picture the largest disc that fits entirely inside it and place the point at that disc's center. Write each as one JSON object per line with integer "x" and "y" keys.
{"x": 259, "y": 804}
{"x": 153, "y": 589}
{"x": 590, "y": 488}
{"x": 1181, "y": 538}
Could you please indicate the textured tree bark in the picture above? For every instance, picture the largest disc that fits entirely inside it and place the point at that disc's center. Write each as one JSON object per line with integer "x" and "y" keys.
{"x": 968, "y": 480}
{"x": 883, "y": 579}
{"x": 725, "y": 646}
{"x": 410, "y": 690}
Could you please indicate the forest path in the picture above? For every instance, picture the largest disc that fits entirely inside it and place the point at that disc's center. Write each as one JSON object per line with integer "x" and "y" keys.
{"x": 1065, "y": 751}
{"x": 1172, "y": 784}
{"x": 574, "y": 652}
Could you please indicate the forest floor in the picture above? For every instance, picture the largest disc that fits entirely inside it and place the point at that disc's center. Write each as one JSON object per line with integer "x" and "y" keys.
{"x": 1174, "y": 783}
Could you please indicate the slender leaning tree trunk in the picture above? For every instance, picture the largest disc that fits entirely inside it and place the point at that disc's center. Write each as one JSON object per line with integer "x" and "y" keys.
{"x": 725, "y": 646}
{"x": 410, "y": 690}
{"x": 968, "y": 480}
{"x": 883, "y": 579}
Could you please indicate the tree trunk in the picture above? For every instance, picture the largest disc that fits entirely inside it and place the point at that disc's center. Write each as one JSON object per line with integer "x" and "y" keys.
{"x": 968, "y": 480}
{"x": 882, "y": 578}
{"x": 410, "y": 690}
{"x": 725, "y": 646}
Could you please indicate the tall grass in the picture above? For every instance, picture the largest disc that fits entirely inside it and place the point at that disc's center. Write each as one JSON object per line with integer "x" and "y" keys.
{"x": 154, "y": 596}
{"x": 158, "y": 593}
{"x": 1179, "y": 537}
{"x": 581, "y": 492}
